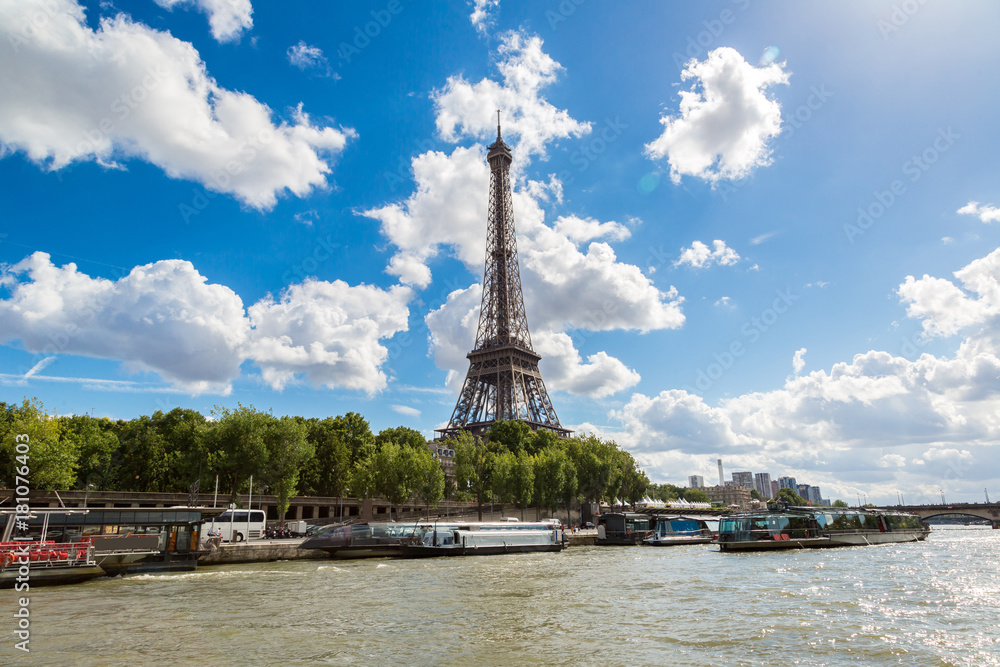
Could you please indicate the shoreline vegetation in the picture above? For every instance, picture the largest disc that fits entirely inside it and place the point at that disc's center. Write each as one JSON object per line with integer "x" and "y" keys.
{"x": 182, "y": 451}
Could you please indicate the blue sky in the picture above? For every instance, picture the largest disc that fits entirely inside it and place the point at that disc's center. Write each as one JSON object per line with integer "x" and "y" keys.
{"x": 766, "y": 232}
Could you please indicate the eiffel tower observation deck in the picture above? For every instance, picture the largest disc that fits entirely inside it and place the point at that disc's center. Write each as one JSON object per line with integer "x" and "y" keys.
{"x": 503, "y": 382}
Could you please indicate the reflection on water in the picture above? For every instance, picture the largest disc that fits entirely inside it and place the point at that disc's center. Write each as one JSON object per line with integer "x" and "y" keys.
{"x": 913, "y": 604}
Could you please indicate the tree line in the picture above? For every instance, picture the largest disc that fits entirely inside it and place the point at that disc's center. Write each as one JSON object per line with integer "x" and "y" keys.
{"x": 183, "y": 451}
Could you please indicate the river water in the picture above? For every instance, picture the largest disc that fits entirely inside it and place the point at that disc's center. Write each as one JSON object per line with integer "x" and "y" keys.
{"x": 930, "y": 603}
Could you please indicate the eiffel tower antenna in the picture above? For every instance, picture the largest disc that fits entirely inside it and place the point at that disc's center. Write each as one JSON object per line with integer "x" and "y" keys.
{"x": 503, "y": 382}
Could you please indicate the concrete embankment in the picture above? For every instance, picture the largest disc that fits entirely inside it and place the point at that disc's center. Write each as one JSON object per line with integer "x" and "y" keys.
{"x": 260, "y": 552}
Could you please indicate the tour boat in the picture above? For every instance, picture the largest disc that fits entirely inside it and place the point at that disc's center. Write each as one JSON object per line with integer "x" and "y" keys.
{"x": 31, "y": 560}
{"x": 485, "y": 539}
{"x": 817, "y": 528}
{"x": 683, "y": 530}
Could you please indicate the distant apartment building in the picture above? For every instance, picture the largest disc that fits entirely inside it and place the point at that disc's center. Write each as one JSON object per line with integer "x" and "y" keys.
{"x": 774, "y": 488}
{"x": 803, "y": 490}
{"x": 744, "y": 479}
{"x": 729, "y": 495}
{"x": 814, "y": 496}
{"x": 762, "y": 482}
{"x": 787, "y": 483}
{"x": 696, "y": 481}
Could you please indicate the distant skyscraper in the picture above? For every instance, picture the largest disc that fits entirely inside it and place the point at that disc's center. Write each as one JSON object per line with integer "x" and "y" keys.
{"x": 721, "y": 481}
{"x": 814, "y": 496}
{"x": 744, "y": 479}
{"x": 696, "y": 481}
{"x": 762, "y": 482}
{"x": 774, "y": 489}
{"x": 787, "y": 483}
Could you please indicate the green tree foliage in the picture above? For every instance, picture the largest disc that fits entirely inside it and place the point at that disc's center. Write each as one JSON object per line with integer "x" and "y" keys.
{"x": 521, "y": 480}
{"x": 839, "y": 503}
{"x": 551, "y": 468}
{"x": 695, "y": 496}
{"x": 51, "y": 460}
{"x": 143, "y": 460}
{"x": 790, "y": 497}
{"x": 239, "y": 445}
{"x": 97, "y": 443}
{"x": 430, "y": 485}
{"x": 755, "y": 494}
{"x": 511, "y": 436}
{"x": 287, "y": 447}
{"x": 474, "y": 466}
{"x": 189, "y": 459}
{"x": 403, "y": 436}
{"x": 328, "y": 471}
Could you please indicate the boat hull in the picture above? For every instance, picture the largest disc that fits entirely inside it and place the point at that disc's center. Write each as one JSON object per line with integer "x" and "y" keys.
{"x": 677, "y": 541}
{"x": 826, "y": 541}
{"x": 52, "y": 576}
{"x": 423, "y": 551}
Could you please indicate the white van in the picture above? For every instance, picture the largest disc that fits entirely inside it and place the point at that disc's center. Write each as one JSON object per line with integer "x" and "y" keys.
{"x": 236, "y": 525}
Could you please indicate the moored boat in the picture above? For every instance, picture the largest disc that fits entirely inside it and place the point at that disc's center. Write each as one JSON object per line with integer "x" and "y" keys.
{"x": 485, "y": 539}
{"x": 683, "y": 530}
{"x": 32, "y": 560}
{"x": 817, "y": 528}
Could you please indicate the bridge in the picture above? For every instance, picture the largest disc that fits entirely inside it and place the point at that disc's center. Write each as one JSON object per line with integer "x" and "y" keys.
{"x": 990, "y": 511}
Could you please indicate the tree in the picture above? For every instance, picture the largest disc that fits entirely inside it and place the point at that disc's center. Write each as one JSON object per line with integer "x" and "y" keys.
{"x": 430, "y": 477}
{"x": 52, "y": 461}
{"x": 96, "y": 443}
{"x": 473, "y": 467}
{"x": 238, "y": 440}
{"x": 188, "y": 456}
{"x": 550, "y": 470}
{"x": 287, "y": 447}
{"x": 696, "y": 496}
{"x": 790, "y": 497}
{"x": 521, "y": 484}
{"x": 755, "y": 494}
{"x": 403, "y": 436}
{"x": 839, "y": 503}
{"x": 328, "y": 471}
{"x": 508, "y": 435}
{"x": 143, "y": 463}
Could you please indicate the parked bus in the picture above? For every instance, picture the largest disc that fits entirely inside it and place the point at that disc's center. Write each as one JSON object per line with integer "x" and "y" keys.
{"x": 237, "y": 525}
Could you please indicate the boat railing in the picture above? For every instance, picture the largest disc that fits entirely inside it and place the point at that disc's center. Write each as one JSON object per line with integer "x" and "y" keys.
{"x": 45, "y": 554}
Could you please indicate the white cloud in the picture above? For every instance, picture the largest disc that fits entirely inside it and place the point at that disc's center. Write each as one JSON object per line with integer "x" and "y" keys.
{"x": 480, "y": 16}
{"x": 862, "y": 419}
{"x": 406, "y": 410}
{"x": 580, "y": 230}
{"x": 469, "y": 109}
{"x": 227, "y": 18}
{"x": 799, "y": 360}
{"x": 563, "y": 368}
{"x": 328, "y": 332}
{"x": 699, "y": 256}
{"x": 761, "y": 238}
{"x": 128, "y": 91}
{"x": 726, "y": 119}
{"x": 986, "y": 213}
{"x": 946, "y": 308}
{"x": 723, "y": 301}
{"x": 166, "y": 318}
{"x": 305, "y": 57}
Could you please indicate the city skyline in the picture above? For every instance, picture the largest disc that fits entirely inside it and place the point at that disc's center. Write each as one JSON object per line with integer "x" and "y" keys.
{"x": 761, "y": 233}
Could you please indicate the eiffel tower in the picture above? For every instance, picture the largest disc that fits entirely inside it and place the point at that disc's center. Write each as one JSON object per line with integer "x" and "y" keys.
{"x": 503, "y": 382}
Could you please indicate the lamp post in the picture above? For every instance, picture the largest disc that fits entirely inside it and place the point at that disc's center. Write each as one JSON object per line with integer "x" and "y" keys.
{"x": 86, "y": 494}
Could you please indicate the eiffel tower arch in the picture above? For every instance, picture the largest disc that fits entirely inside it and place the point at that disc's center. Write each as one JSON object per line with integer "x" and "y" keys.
{"x": 503, "y": 382}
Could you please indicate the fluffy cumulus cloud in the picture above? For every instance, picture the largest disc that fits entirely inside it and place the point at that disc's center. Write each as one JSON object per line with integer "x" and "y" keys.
{"x": 580, "y": 230}
{"x": 307, "y": 57}
{"x": 227, "y": 18}
{"x": 166, "y": 318}
{"x": 799, "y": 360}
{"x": 700, "y": 256}
{"x": 328, "y": 332}
{"x": 887, "y": 421}
{"x": 481, "y": 16}
{"x": 725, "y": 121}
{"x": 985, "y": 212}
{"x": 125, "y": 90}
{"x": 467, "y": 109}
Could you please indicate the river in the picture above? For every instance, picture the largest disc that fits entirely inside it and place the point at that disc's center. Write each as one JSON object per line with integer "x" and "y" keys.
{"x": 930, "y": 603}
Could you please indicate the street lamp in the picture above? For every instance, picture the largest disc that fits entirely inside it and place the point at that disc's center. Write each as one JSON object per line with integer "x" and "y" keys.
{"x": 87, "y": 493}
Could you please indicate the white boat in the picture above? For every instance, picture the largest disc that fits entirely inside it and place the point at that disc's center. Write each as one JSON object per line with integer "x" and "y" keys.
{"x": 683, "y": 530}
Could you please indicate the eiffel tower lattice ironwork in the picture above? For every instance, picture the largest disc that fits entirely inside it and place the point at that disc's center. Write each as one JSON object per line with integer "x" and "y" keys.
{"x": 503, "y": 381}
